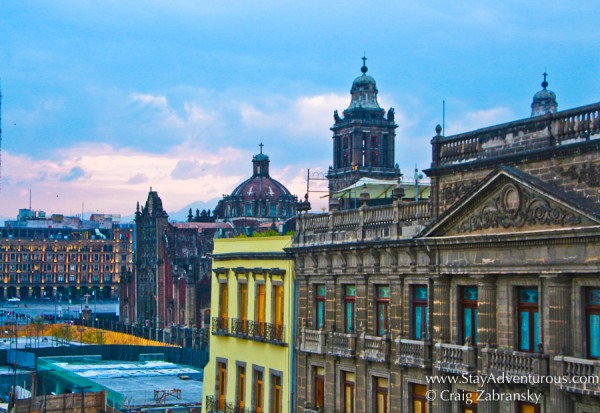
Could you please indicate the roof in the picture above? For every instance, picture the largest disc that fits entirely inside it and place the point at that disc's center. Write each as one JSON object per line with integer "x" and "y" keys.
{"x": 378, "y": 188}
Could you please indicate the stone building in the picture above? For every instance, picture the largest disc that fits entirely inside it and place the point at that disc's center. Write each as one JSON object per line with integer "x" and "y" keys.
{"x": 501, "y": 278}
{"x": 258, "y": 198}
{"x": 168, "y": 291}
{"x": 63, "y": 258}
{"x": 363, "y": 138}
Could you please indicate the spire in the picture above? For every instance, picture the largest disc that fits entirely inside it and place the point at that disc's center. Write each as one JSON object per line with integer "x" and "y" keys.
{"x": 364, "y": 67}
{"x": 544, "y": 101}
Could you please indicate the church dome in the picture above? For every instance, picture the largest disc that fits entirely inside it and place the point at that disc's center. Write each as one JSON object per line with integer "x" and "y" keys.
{"x": 364, "y": 92}
{"x": 544, "y": 101}
{"x": 258, "y": 196}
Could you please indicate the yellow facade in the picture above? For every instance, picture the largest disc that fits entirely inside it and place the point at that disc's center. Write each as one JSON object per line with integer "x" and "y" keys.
{"x": 252, "y": 327}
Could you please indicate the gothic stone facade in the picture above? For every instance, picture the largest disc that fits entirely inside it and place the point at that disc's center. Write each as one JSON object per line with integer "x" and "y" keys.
{"x": 497, "y": 274}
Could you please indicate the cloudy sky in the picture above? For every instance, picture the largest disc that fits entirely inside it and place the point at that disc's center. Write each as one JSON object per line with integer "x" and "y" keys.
{"x": 104, "y": 99}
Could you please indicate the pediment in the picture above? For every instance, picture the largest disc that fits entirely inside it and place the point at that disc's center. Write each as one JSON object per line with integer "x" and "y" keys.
{"x": 509, "y": 201}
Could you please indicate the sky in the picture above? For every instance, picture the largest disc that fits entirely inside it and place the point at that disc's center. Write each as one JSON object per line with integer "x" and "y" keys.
{"x": 103, "y": 100}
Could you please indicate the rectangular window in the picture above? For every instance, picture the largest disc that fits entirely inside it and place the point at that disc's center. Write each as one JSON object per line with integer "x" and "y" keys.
{"x": 320, "y": 299}
{"x": 469, "y": 403}
{"x": 221, "y": 385}
{"x": 419, "y": 398}
{"x": 592, "y": 315}
{"x": 529, "y": 319}
{"x": 241, "y": 388}
{"x": 278, "y": 311}
{"x": 243, "y": 306}
{"x": 382, "y": 302}
{"x": 349, "y": 309}
{"x": 348, "y": 395}
{"x": 469, "y": 315}
{"x": 258, "y": 391}
{"x": 223, "y": 305}
{"x": 259, "y": 316}
{"x": 276, "y": 397}
{"x": 381, "y": 394}
{"x": 420, "y": 313}
{"x": 528, "y": 408}
{"x": 319, "y": 387}
{"x": 272, "y": 210}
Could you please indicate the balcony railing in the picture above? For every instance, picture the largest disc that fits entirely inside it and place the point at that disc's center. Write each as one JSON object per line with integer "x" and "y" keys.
{"x": 313, "y": 341}
{"x": 456, "y": 359}
{"x": 220, "y": 326}
{"x": 375, "y": 348}
{"x": 514, "y": 363}
{"x": 254, "y": 330}
{"x": 213, "y": 406}
{"x": 583, "y": 376}
{"x": 413, "y": 353}
{"x": 341, "y": 344}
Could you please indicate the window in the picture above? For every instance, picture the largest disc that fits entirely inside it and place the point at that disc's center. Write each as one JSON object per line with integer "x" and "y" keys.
{"x": 469, "y": 403}
{"x": 420, "y": 313}
{"x": 350, "y": 309}
{"x": 241, "y": 388}
{"x": 319, "y": 387}
{"x": 592, "y": 316}
{"x": 382, "y": 302}
{"x": 276, "y": 398}
{"x": 248, "y": 210}
{"x": 381, "y": 394}
{"x": 529, "y": 320}
{"x": 320, "y": 298}
{"x": 243, "y": 306}
{"x": 258, "y": 391}
{"x": 278, "y": 311}
{"x": 259, "y": 307}
{"x": 419, "y": 398}
{"x": 469, "y": 315}
{"x": 528, "y": 408}
{"x": 348, "y": 392}
{"x": 223, "y": 305}
{"x": 272, "y": 210}
{"x": 221, "y": 384}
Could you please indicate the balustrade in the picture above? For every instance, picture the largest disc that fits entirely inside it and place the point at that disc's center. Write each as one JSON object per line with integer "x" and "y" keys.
{"x": 454, "y": 358}
{"x": 514, "y": 363}
{"x": 413, "y": 353}
{"x": 582, "y": 375}
{"x": 342, "y": 344}
{"x": 313, "y": 341}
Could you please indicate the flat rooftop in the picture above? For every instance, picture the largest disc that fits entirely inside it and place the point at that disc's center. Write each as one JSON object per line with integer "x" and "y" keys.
{"x": 130, "y": 384}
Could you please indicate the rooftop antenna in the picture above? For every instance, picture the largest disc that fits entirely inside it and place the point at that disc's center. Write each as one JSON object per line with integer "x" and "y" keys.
{"x": 0, "y": 136}
{"x": 443, "y": 118}
{"x": 30, "y": 197}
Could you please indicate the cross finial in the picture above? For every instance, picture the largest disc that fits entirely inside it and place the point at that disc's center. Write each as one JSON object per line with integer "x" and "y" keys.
{"x": 261, "y": 146}
{"x": 364, "y": 68}
{"x": 364, "y": 59}
{"x": 545, "y": 83}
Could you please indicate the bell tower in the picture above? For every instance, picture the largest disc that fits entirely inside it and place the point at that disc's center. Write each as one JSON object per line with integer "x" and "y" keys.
{"x": 363, "y": 138}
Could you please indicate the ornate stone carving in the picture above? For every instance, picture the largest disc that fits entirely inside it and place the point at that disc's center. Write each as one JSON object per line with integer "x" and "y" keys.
{"x": 586, "y": 173}
{"x": 453, "y": 192}
{"x": 515, "y": 207}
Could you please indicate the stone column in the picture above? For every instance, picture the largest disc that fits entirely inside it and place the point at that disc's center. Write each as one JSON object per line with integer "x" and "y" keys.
{"x": 558, "y": 334}
{"x": 486, "y": 305}
{"x": 441, "y": 308}
{"x": 190, "y": 302}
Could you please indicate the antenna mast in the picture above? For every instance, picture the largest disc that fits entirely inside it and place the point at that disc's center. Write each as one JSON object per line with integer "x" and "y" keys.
{"x": 0, "y": 137}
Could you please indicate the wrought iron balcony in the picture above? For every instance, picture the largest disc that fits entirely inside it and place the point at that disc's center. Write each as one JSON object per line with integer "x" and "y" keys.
{"x": 313, "y": 341}
{"x": 214, "y": 406}
{"x": 220, "y": 326}
{"x": 413, "y": 353}
{"x": 514, "y": 363}
{"x": 254, "y": 330}
{"x": 341, "y": 344}
{"x": 456, "y": 359}
{"x": 583, "y": 376}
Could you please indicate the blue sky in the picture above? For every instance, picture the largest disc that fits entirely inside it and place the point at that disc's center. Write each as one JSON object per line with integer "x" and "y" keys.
{"x": 104, "y": 99}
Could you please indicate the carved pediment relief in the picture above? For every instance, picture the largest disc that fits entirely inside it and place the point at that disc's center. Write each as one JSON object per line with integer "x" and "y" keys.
{"x": 504, "y": 204}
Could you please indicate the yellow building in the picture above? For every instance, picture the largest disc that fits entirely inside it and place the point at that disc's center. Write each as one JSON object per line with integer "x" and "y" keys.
{"x": 251, "y": 342}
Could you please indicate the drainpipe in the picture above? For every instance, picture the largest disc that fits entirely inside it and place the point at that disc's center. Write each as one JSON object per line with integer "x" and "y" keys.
{"x": 293, "y": 343}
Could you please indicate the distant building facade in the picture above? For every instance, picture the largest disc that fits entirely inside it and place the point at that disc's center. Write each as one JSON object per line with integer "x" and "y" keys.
{"x": 63, "y": 258}
{"x": 496, "y": 274}
{"x": 251, "y": 342}
{"x": 168, "y": 290}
